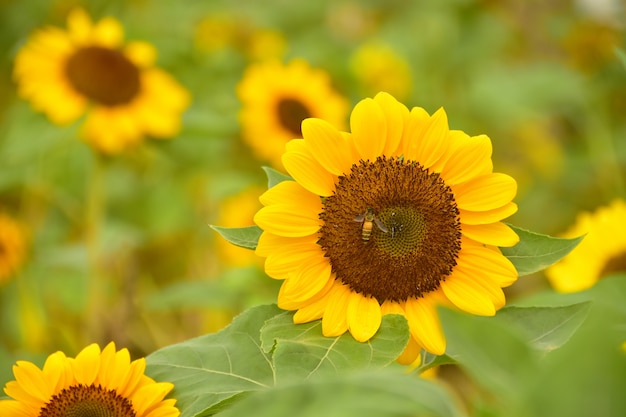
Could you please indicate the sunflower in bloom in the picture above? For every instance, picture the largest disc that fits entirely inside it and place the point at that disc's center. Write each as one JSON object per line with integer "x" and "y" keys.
{"x": 12, "y": 247}
{"x": 89, "y": 70}
{"x": 95, "y": 383}
{"x": 276, "y": 98}
{"x": 601, "y": 253}
{"x": 399, "y": 215}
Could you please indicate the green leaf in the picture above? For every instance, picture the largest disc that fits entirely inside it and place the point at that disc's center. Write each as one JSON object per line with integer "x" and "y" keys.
{"x": 302, "y": 351}
{"x": 372, "y": 392}
{"x": 245, "y": 237}
{"x": 535, "y": 252}
{"x": 546, "y": 328}
{"x": 274, "y": 177}
{"x": 208, "y": 370}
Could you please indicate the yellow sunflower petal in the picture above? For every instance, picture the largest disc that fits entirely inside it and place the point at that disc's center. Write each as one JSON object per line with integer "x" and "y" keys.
{"x": 313, "y": 310}
{"x": 411, "y": 353}
{"x": 308, "y": 281}
{"x": 424, "y": 324}
{"x": 79, "y": 25}
{"x": 280, "y": 219}
{"x": 142, "y": 54}
{"x": 87, "y": 364}
{"x": 397, "y": 116}
{"x": 364, "y": 316}
{"x": 335, "y": 320}
{"x": 57, "y": 371}
{"x": 469, "y": 158}
{"x": 299, "y": 163}
{"x": 477, "y": 259}
{"x": 327, "y": 146}
{"x": 149, "y": 395}
{"x": 430, "y": 141}
{"x": 392, "y": 307}
{"x": 496, "y": 234}
{"x": 489, "y": 216}
{"x": 134, "y": 377}
{"x": 108, "y": 32}
{"x": 470, "y": 295}
{"x": 30, "y": 376}
{"x": 165, "y": 409}
{"x": 290, "y": 191}
{"x": 486, "y": 192}
{"x": 369, "y": 129}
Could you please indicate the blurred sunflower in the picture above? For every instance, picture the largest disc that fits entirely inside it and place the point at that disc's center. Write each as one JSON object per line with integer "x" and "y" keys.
{"x": 87, "y": 70}
{"x": 12, "y": 247}
{"x": 379, "y": 68}
{"x": 601, "y": 253}
{"x": 276, "y": 98}
{"x": 94, "y": 383}
{"x": 398, "y": 216}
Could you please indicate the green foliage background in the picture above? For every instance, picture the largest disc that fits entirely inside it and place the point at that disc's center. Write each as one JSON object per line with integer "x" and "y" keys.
{"x": 542, "y": 79}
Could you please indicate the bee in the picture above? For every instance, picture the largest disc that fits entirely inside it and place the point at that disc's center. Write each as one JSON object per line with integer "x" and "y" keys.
{"x": 368, "y": 219}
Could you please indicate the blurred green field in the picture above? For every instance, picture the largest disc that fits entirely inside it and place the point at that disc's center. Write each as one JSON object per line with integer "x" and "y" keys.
{"x": 544, "y": 80}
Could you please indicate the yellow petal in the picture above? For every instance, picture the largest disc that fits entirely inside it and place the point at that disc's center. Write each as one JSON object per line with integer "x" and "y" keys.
{"x": 478, "y": 259}
{"x": 468, "y": 294}
{"x": 411, "y": 353}
{"x": 108, "y": 32}
{"x": 79, "y": 25}
{"x": 424, "y": 324}
{"x": 149, "y": 395}
{"x": 327, "y": 146}
{"x": 308, "y": 172}
{"x": 392, "y": 307}
{"x": 87, "y": 364}
{"x": 335, "y": 320}
{"x": 289, "y": 192}
{"x": 285, "y": 220}
{"x": 469, "y": 157}
{"x": 369, "y": 129}
{"x": 486, "y": 192}
{"x": 308, "y": 281}
{"x": 141, "y": 54}
{"x": 489, "y": 216}
{"x": 30, "y": 378}
{"x": 364, "y": 316}
{"x": 430, "y": 142}
{"x": 397, "y": 116}
{"x": 313, "y": 310}
{"x": 496, "y": 234}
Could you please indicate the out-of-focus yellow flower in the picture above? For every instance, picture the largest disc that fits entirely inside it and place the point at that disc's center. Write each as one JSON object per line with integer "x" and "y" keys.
{"x": 379, "y": 68}
{"x": 88, "y": 70}
{"x": 236, "y": 211}
{"x": 266, "y": 44}
{"x": 217, "y": 31}
{"x": 601, "y": 253}
{"x": 13, "y": 244}
{"x": 94, "y": 383}
{"x": 276, "y": 98}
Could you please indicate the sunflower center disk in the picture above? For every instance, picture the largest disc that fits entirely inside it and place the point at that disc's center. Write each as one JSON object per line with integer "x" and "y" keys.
{"x": 291, "y": 113}
{"x": 103, "y": 75}
{"x": 87, "y": 401}
{"x": 391, "y": 229}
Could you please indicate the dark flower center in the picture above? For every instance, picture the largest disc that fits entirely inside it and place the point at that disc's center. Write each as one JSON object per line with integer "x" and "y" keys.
{"x": 103, "y": 75}
{"x": 391, "y": 229}
{"x": 614, "y": 265}
{"x": 87, "y": 401}
{"x": 291, "y": 113}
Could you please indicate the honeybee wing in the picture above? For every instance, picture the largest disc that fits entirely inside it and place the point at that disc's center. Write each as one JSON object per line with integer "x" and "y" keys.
{"x": 359, "y": 218}
{"x": 380, "y": 225}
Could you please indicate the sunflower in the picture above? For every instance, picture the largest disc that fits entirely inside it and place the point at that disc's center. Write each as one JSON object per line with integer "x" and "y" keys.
{"x": 398, "y": 216}
{"x": 601, "y": 253}
{"x": 276, "y": 98}
{"x": 94, "y": 384}
{"x": 88, "y": 70}
{"x": 12, "y": 247}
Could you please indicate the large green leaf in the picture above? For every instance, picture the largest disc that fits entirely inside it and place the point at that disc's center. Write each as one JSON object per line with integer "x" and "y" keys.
{"x": 245, "y": 237}
{"x": 262, "y": 347}
{"x": 535, "y": 252}
{"x": 373, "y": 392}
{"x": 213, "y": 368}
{"x": 545, "y": 328}
{"x": 302, "y": 351}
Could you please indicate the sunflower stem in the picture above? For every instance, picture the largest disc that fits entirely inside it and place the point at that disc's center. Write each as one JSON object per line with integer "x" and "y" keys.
{"x": 93, "y": 223}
